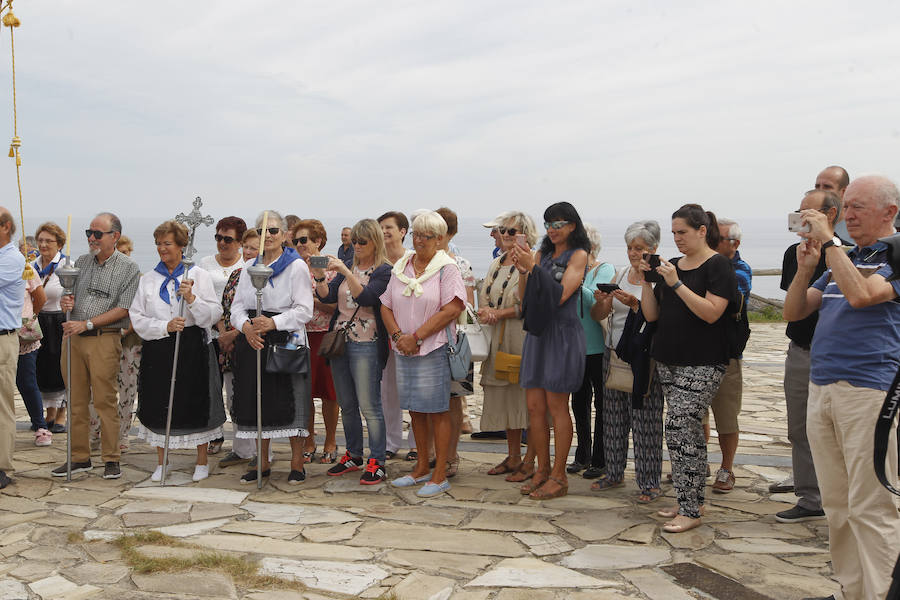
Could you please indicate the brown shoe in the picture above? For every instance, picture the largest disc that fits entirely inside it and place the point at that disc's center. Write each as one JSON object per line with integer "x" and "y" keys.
{"x": 724, "y": 482}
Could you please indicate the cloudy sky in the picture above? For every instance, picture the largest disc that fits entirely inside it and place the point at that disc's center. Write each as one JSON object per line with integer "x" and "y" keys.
{"x": 626, "y": 109}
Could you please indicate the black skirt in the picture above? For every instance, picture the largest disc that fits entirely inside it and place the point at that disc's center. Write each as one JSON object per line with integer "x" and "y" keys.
{"x": 197, "y": 405}
{"x": 49, "y": 374}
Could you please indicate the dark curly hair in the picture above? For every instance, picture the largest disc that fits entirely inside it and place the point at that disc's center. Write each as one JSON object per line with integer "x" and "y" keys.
{"x": 696, "y": 217}
{"x": 563, "y": 211}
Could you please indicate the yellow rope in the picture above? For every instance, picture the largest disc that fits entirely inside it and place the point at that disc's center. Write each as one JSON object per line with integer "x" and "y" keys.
{"x": 11, "y": 21}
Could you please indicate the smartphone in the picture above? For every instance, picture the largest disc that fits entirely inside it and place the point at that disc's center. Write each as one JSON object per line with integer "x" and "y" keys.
{"x": 796, "y": 224}
{"x": 318, "y": 262}
{"x": 651, "y": 275}
{"x": 607, "y": 288}
{"x": 521, "y": 240}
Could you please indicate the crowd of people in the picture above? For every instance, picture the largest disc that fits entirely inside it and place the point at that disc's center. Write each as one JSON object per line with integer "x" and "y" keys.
{"x": 368, "y": 334}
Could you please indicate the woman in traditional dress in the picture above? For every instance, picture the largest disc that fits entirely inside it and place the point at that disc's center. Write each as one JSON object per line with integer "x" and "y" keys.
{"x": 50, "y": 240}
{"x": 197, "y": 411}
{"x": 287, "y": 302}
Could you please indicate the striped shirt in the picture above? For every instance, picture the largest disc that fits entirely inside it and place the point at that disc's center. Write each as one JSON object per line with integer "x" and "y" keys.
{"x": 872, "y": 359}
{"x": 103, "y": 287}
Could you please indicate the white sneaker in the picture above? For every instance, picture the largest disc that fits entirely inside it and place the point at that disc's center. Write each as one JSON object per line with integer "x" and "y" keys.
{"x": 200, "y": 472}
{"x": 157, "y": 474}
{"x": 43, "y": 437}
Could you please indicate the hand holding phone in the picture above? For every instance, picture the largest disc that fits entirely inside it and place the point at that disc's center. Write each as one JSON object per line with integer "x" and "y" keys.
{"x": 652, "y": 276}
{"x": 318, "y": 262}
{"x": 607, "y": 288}
{"x": 796, "y": 224}
{"x": 521, "y": 240}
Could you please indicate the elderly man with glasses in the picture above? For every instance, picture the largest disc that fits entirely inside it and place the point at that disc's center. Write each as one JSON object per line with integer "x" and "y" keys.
{"x": 106, "y": 285}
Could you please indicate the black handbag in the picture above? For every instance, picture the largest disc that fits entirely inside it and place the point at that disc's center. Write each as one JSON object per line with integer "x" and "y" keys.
{"x": 287, "y": 360}
{"x": 334, "y": 343}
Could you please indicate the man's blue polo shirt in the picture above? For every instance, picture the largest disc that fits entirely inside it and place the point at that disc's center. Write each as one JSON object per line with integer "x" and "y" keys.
{"x": 872, "y": 357}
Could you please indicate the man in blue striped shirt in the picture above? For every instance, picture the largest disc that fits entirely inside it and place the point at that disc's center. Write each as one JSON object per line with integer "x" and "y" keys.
{"x": 855, "y": 297}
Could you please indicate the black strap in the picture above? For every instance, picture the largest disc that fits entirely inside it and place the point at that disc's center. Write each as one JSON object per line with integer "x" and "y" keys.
{"x": 884, "y": 429}
{"x": 347, "y": 324}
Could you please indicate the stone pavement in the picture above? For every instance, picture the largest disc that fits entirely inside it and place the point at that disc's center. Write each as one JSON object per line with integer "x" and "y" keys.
{"x": 483, "y": 540}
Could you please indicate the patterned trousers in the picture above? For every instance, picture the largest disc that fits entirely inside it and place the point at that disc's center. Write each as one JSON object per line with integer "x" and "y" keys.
{"x": 688, "y": 390}
{"x": 127, "y": 379}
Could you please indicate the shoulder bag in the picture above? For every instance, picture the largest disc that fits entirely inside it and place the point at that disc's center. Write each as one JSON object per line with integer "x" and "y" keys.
{"x": 479, "y": 335}
{"x": 334, "y": 343}
{"x": 618, "y": 372}
{"x": 506, "y": 365}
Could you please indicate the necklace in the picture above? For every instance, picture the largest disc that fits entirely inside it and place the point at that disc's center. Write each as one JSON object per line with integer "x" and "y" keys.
{"x": 487, "y": 290}
{"x": 418, "y": 272}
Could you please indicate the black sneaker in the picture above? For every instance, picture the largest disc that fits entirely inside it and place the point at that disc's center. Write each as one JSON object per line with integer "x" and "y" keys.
{"x": 798, "y": 514}
{"x": 374, "y": 473}
{"x": 77, "y": 467}
{"x": 112, "y": 470}
{"x": 297, "y": 477}
{"x": 5, "y": 480}
{"x": 594, "y": 472}
{"x": 346, "y": 464}
{"x": 250, "y": 476}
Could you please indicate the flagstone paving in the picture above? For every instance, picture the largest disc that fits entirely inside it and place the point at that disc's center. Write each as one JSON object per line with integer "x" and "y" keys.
{"x": 482, "y": 541}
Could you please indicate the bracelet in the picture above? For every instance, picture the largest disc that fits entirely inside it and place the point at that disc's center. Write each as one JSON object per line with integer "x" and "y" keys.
{"x": 677, "y": 285}
{"x": 396, "y": 335}
{"x": 319, "y": 280}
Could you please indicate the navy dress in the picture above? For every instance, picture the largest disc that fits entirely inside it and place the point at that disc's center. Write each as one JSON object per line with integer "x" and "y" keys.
{"x": 554, "y": 361}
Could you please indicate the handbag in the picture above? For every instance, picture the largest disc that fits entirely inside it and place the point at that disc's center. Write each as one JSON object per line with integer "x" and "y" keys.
{"x": 506, "y": 365}
{"x": 31, "y": 330}
{"x": 479, "y": 336}
{"x": 459, "y": 353}
{"x": 334, "y": 343}
{"x": 280, "y": 359}
{"x": 618, "y": 374}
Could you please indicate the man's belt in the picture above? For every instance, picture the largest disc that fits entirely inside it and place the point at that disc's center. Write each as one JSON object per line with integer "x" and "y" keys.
{"x": 100, "y": 331}
{"x": 7, "y": 331}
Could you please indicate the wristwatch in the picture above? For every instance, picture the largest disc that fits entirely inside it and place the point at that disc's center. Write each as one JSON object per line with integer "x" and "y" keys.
{"x": 89, "y": 325}
{"x": 416, "y": 337}
{"x": 835, "y": 241}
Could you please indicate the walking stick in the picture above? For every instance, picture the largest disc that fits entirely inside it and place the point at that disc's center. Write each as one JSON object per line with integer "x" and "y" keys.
{"x": 68, "y": 275}
{"x": 192, "y": 220}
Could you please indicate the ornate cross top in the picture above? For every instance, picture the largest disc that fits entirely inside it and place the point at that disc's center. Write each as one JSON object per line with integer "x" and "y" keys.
{"x": 193, "y": 220}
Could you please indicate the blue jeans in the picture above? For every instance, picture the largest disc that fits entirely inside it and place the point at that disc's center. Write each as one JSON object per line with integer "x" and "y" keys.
{"x": 26, "y": 381}
{"x": 357, "y": 381}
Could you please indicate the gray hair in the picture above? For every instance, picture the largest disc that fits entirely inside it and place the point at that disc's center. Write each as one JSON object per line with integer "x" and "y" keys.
{"x": 884, "y": 190}
{"x": 430, "y": 222}
{"x": 114, "y": 223}
{"x": 273, "y": 218}
{"x": 521, "y": 221}
{"x": 829, "y": 200}
{"x": 594, "y": 237}
{"x": 734, "y": 230}
{"x": 646, "y": 230}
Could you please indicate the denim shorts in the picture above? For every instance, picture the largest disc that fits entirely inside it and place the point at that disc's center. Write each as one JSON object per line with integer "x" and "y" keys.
{"x": 423, "y": 382}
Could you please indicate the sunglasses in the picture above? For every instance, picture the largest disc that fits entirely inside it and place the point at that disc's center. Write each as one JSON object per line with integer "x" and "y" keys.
{"x": 555, "y": 224}
{"x": 224, "y": 238}
{"x": 510, "y": 231}
{"x": 300, "y": 240}
{"x": 359, "y": 242}
{"x": 423, "y": 236}
{"x": 96, "y": 233}
{"x": 271, "y": 230}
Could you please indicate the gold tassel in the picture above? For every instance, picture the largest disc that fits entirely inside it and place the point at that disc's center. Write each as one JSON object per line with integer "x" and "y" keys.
{"x": 14, "y": 146}
{"x": 28, "y": 273}
{"x": 11, "y": 20}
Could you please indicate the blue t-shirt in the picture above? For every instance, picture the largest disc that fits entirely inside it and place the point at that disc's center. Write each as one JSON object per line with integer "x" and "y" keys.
{"x": 593, "y": 331}
{"x": 744, "y": 274}
{"x": 12, "y": 287}
{"x": 871, "y": 361}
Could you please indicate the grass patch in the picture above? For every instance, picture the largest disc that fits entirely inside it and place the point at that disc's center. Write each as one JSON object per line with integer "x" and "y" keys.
{"x": 243, "y": 572}
{"x": 768, "y": 314}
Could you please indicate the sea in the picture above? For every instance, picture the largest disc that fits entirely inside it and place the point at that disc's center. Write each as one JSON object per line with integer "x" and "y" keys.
{"x": 763, "y": 245}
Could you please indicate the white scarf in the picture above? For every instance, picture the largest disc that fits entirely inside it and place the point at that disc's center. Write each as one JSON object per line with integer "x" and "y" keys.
{"x": 414, "y": 285}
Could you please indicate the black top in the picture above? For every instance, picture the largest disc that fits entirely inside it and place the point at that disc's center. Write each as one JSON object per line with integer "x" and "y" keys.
{"x": 800, "y": 332}
{"x": 682, "y": 338}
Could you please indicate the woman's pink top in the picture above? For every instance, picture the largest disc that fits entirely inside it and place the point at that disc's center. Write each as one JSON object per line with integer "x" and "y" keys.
{"x": 412, "y": 311}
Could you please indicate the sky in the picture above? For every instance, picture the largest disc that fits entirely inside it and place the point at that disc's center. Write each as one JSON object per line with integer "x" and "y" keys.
{"x": 324, "y": 109}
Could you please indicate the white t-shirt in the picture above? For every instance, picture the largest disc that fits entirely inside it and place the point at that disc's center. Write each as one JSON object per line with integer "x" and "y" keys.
{"x": 218, "y": 273}
{"x": 620, "y": 311}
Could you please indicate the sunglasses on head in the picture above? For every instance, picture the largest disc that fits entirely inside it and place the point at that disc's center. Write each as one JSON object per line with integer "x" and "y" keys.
{"x": 510, "y": 230}
{"x": 224, "y": 238}
{"x": 96, "y": 233}
{"x": 301, "y": 240}
{"x": 271, "y": 230}
{"x": 359, "y": 242}
{"x": 555, "y": 224}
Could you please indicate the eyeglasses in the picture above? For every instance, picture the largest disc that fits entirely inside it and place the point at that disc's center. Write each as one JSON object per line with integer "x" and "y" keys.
{"x": 224, "y": 238}
{"x": 359, "y": 241}
{"x": 46, "y": 241}
{"x": 301, "y": 240}
{"x": 510, "y": 231}
{"x": 165, "y": 244}
{"x": 423, "y": 236}
{"x": 271, "y": 230}
{"x": 96, "y": 233}
{"x": 555, "y": 224}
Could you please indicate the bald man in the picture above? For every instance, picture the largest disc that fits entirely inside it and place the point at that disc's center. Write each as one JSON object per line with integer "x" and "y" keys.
{"x": 12, "y": 297}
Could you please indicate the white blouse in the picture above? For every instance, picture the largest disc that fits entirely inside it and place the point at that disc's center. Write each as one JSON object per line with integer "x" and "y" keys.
{"x": 53, "y": 288}
{"x": 289, "y": 294}
{"x": 219, "y": 273}
{"x": 150, "y": 315}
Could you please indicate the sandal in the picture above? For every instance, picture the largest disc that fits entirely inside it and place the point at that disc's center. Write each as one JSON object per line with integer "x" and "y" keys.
{"x": 606, "y": 483}
{"x": 411, "y": 456}
{"x": 503, "y": 468}
{"x": 452, "y": 467}
{"x": 534, "y": 484}
{"x": 649, "y": 495}
{"x": 328, "y": 457}
{"x": 310, "y": 456}
{"x": 542, "y": 494}
{"x": 523, "y": 472}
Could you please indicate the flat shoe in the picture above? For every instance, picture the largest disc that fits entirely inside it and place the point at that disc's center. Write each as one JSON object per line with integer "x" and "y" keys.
{"x": 430, "y": 489}
{"x": 574, "y": 467}
{"x": 606, "y": 484}
{"x": 250, "y": 476}
{"x": 411, "y": 456}
{"x": 409, "y": 480}
{"x": 523, "y": 472}
{"x": 648, "y": 496}
{"x": 201, "y": 472}
{"x": 542, "y": 494}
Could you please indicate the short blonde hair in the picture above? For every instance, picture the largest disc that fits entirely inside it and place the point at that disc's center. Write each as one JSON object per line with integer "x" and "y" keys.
{"x": 521, "y": 221}
{"x": 369, "y": 229}
{"x": 431, "y": 223}
{"x": 124, "y": 242}
{"x": 179, "y": 232}
{"x": 594, "y": 237}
